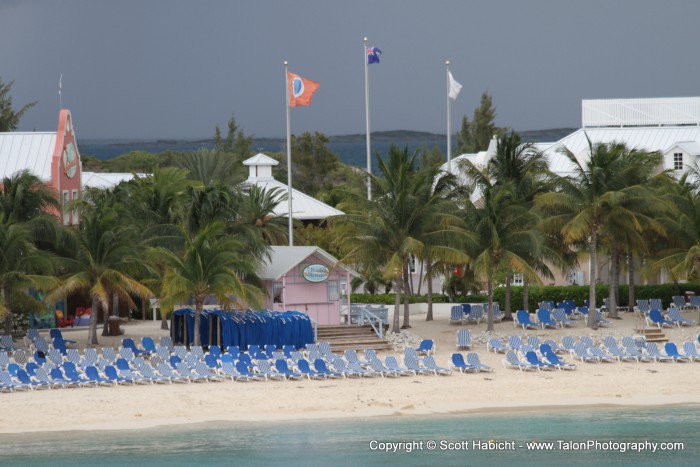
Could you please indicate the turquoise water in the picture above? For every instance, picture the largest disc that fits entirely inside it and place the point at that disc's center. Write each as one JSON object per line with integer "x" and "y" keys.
{"x": 363, "y": 442}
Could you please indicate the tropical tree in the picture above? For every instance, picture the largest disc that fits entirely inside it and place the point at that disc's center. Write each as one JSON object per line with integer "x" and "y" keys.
{"x": 595, "y": 197}
{"x": 9, "y": 118}
{"x": 210, "y": 263}
{"x": 101, "y": 259}
{"x": 410, "y": 209}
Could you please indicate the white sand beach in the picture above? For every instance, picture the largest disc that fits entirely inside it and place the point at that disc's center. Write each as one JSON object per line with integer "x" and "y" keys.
{"x": 504, "y": 390}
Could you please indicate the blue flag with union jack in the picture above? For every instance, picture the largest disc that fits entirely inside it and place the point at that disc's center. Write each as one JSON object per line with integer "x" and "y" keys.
{"x": 373, "y": 55}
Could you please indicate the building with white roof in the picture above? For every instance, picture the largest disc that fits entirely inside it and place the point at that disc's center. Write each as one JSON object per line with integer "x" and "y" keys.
{"x": 51, "y": 156}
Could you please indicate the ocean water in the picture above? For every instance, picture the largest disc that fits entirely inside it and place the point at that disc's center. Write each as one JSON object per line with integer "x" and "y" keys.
{"x": 579, "y": 437}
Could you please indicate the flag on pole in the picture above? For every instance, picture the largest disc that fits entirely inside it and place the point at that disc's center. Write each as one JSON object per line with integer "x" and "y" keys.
{"x": 300, "y": 90}
{"x": 373, "y": 55}
{"x": 455, "y": 87}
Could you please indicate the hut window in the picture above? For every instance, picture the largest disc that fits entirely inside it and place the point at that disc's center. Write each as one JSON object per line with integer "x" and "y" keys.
{"x": 333, "y": 291}
{"x": 277, "y": 292}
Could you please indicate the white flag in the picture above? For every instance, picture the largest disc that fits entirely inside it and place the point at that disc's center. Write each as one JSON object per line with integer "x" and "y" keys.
{"x": 455, "y": 87}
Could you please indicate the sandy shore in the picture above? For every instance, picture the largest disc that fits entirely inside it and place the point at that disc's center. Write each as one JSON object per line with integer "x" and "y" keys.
{"x": 504, "y": 390}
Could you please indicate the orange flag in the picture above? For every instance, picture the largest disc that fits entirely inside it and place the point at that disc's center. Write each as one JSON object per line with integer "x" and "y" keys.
{"x": 300, "y": 90}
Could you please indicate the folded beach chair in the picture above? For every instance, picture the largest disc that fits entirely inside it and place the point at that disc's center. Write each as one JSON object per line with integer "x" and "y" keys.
{"x": 522, "y": 318}
{"x": 512, "y": 360}
{"x": 532, "y": 359}
{"x": 654, "y": 353}
{"x": 473, "y": 360}
{"x": 672, "y": 351}
{"x": 674, "y": 315}
{"x": 431, "y": 364}
{"x": 456, "y": 315}
{"x": 393, "y": 365}
{"x": 554, "y": 359}
{"x": 426, "y": 346}
{"x": 464, "y": 339}
{"x": 545, "y": 319}
{"x": 458, "y": 362}
{"x": 654, "y": 318}
{"x": 496, "y": 345}
{"x": 281, "y": 367}
{"x": 691, "y": 351}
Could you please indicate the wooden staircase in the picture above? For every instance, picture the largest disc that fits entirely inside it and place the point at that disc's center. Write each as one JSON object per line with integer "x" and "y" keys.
{"x": 352, "y": 337}
{"x": 652, "y": 335}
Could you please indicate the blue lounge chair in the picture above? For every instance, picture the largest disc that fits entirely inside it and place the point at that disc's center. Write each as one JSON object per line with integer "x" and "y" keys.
{"x": 431, "y": 364}
{"x": 690, "y": 351}
{"x": 456, "y": 314}
{"x": 412, "y": 363}
{"x": 339, "y": 364}
{"x": 201, "y": 370}
{"x": 95, "y": 378}
{"x": 557, "y": 348}
{"x": 426, "y": 346}
{"x": 473, "y": 360}
{"x": 281, "y": 366}
{"x": 148, "y": 372}
{"x": 674, "y": 315}
{"x": 694, "y": 301}
{"x": 263, "y": 368}
{"x": 522, "y": 318}
{"x": 167, "y": 343}
{"x": 378, "y": 366}
{"x": 545, "y": 319}
{"x": 615, "y": 351}
{"x": 654, "y": 353}
{"x": 534, "y": 341}
{"x": 352, "y": 357}
{"x": 496, "y": 345}
{"x": 56, "y": 333}
{"x": 306, "y": 370}
{"x": 167, "y": 371}
{"x": 642, "y": 307}
{"x": 654, "y": 318}
{"x": 183, "y": 370}
{"x": 531, "y": 358}
{"x": 459, "y": 363}
{"x": 476, "y": 314}
{"x": 464, "y": 339}
{"x": 512, "y": 360}
{"x": 515, "y": 342}
{"x": 678, "y": 302}
{"x": 554, "y": 359}
{"x": 7, "y": 344}
{"x": 112, "y": 375}
{"x": 559, "y": 315}
{"x": 229, "y": 370}
{"x": 672, "y": 351}
{"x": 655, "y": 304}
{"x": 369, "y": 371}
{"x": 497, "y": 313}
{"x": 581, "y": 351}
{"x": 149, "y": 345}
{"x": 393, "y": 365}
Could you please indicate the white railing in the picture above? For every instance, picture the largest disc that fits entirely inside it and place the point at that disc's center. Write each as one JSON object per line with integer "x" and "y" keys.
{"x": 640, "y": 112}
{"x": 374, "y": 321}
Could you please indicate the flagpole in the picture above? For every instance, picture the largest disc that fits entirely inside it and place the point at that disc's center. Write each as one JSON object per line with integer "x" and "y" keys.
{"x": 369, "y": 152}
{"x": 449, "y": 123}
{"x": 289, "y": 154}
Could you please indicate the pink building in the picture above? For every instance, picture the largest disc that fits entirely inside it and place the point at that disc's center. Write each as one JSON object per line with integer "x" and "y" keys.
{"x": 306, "y": 279}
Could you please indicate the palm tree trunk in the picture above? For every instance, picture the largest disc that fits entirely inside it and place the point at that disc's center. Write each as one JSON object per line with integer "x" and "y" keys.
{"x": 429, "y": 279}
{"x": 396, "y": 327}
{"x": 198, "y": 307}
{"x": 526, "y": 296}
{"x": 420, "y": 276}
{"x": 509, "y": 277}
{"x": 489, "y": 311}
{"x": 630, "y": 280}
{"x": 406, "y": 312}
{"x": 92, "y": 328}
{"x": 614, "y": 281}
{"x": 593, "y": 270}
{"x": 108, "y": 312}
{"x": 163, "y": 321}
{"x": 8, "y": 318}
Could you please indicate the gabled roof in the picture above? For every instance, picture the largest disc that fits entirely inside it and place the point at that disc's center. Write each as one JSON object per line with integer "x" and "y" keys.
{"x": 304, "y": 207}
{"x": 31, "y": 151}
{"x": 691, "y": 147}
{"x": 285, "y": 258}
{"x": 105, "y": 180}
{"x": 260, "y": 159}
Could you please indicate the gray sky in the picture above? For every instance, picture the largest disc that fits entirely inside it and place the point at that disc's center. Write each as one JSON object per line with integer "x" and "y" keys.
{"x": 175, "y": 69}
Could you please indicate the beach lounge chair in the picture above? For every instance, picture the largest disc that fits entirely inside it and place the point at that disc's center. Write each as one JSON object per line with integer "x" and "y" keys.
{"x": 201, "y": 370}
{"x": 691, "y": 351}
{"x": 263, "y": 367}
{"x": 545, "y": 319}
{"x": 556, "y": 347}
{"x": 456, "y": 314}
{"x": 554, "y": 359}
{"x": 183, "y": 370}
{"x": 371, "y": 354}
{"x": 128, "y": 343}
{"x": 4, "y": 360}
{"x": 655, "y": 304}
{"x": 476, "y": 314}
{"x": 352, "y": 357}
{"x": 281, "y": 367}
{"x": 7, "y": 344}
{"x": 10, "y": 384}
{"x": 167, "y": 371}
{"x": 393, "y": 365}
{"x": 213, "y": 363}
{"x": 653, "y": 352}
{"x": 600, "y": 354}
{"x": 515, "y": 342}
{"x": 94, "y": 377}
{"x": 338, "y": 364}
{"x": 473, "y": 360}
{"x": 464, "y": 339}
{"x": 288, "y": 349}
{"x": 377, "y": 366}
{"x": 426, "y": 346}
{"x": 532, "y": 359}
{"x": 148, "y": 372}
{"x": 522, "y": 318}
{"x": 615, "y": 351}
{"x": 600, "y": 320}
{"x": 458, "y": 362}
{"x": 180, "y": 351}
{"x": 24, "y": 378}
{"x": 654, "y": 318}
{"x": 581, "y": 351}
{"x": 431, "y": 364}
{"x": 412, "y": 363}
{"x": 694, "y": 302}
{"x": 305, "y": 369}
{"x": 631, "y": 348}
{"x": 559, "y": 315}
{"x": 497, "y": 312}
{"x": 534, "y": 341}
{"x": 149, "y": 345}
{"x": 606, "y": 306}
{"x": 546, "y": 304}
{"x": 229, "y": 370}
{"x": 496, "y": 345}
{"x": 56, "y": 333}
{"x": 113, "y": 375}
{"x": 674, "y": 315}
{"x": 672, "y": 351}
{"x": 568, "y": 343}
{"x": 197, "y": 351}
{"x": 167, "y": 343}
{"x": 511, "y": 360}
{"x": 678, "y": 302}
{"x": 215, "y": 351}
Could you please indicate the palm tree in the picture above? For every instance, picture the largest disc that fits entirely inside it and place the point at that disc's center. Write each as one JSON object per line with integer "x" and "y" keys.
{"x": 597, "y": 196}
{"x": 101, "y": 260}
{"x": 411, "y": 209}
{"x": 211, "y": 263}
{"x": 24, "y": 197}
{"x": 256, "y": 214}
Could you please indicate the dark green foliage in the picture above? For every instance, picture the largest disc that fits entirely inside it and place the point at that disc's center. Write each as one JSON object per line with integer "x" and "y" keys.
{"x": 475, "y": 136}
{"x": 9, "y": 118}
